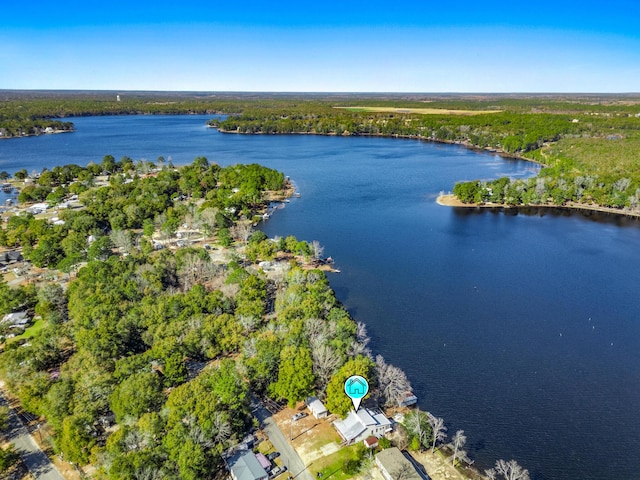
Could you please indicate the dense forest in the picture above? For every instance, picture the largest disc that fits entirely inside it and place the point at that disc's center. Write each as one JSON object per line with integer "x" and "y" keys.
{"x": 147, "y": 360}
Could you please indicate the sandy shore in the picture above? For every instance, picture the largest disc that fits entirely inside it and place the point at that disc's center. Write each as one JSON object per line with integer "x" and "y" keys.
{"x": 452, "y": 201}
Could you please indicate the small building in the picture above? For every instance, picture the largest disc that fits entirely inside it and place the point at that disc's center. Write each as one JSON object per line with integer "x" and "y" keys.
{"x": 365, "y": 423}
{"x": 317, "y": 408}
{"x": 245, "y": 466}
{"x": 14, "y": 256}
{"x": 393, "y": 465}
{"x": 371, "y": 442}
{"x": 407, "y": 399}
{"x": 15, "y": 319}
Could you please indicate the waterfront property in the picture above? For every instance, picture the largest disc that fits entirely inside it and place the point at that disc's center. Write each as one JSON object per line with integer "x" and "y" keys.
{"x": 407, "y": 399}
{"x": 393, "y": 464}
{"x": 359, "y": 426}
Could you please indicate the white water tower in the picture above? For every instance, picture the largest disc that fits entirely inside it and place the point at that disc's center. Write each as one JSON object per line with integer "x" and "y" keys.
{"x": 117, "y": 98}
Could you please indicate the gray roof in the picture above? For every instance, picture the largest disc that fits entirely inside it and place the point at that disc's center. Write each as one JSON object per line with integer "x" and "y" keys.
{"x": 16, "y": 318}
{"x": 393, "y": 462}
{"x": 245, "y": 466}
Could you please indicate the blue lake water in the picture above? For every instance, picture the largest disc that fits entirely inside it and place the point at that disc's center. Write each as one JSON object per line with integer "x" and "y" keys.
{"x": 523, "y": 330}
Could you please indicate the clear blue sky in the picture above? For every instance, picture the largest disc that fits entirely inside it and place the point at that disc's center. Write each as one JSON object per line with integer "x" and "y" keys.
{"x": 328, "y": 46}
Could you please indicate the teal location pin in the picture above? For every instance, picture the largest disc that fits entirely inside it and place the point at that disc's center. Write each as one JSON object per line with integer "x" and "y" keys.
{"x": 356, "y": 387}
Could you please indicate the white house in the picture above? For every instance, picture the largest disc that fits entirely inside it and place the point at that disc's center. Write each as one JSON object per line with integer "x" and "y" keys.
{"x": 317, "y": 407}
{"x": 365, "y": 423}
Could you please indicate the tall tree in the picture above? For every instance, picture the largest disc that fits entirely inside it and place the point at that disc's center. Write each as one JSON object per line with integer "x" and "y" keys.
{"x": 437, "y": 425}
{"x": 295, "y": 375}
{"x": 508, "y": 471}
{"x": 337, "y": 400}
{"x": 417, "y": 425}
{"x": 392, "y": 382}
{"x": 459, "y": 439}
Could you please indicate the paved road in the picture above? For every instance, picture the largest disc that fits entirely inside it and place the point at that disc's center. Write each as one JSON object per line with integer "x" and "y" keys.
{"x": 289, "y": 456}
{"x": 36, "y": 461}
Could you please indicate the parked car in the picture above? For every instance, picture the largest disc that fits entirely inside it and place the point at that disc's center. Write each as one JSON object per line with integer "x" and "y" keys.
{"x": 277, "y": 471}
{"x": 273, "y": 455}
{"x": 298, "y": 416}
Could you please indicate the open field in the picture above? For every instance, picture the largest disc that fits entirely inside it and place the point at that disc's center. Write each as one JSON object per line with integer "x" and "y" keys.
{"x": 421, "y": 111}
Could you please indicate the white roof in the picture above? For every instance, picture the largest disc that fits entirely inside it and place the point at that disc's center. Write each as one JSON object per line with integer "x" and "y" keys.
{"x": 16, "y": 318}
{"x": 315, "y": 405}
{"x": 366, "y": 417}
{"x": 350, "y": 428}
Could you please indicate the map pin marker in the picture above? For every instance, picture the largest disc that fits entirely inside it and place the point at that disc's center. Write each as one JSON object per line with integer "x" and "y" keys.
{"x": 356, "y": 387}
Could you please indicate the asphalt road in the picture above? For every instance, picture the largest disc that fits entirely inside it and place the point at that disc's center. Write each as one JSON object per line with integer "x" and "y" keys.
{"x": 36, "y": 461}
{"x": 288, "y": 455}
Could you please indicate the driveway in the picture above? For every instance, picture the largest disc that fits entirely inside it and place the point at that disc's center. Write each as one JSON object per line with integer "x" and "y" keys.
{"x": 288, "y": 455}
{"x": 36, "y": 461}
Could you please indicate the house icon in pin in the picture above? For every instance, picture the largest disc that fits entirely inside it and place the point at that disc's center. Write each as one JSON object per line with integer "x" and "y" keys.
{"x": 356, "y": 386}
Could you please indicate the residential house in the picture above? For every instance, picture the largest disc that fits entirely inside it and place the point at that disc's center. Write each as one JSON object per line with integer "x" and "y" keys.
{"x": 13, "y": 256}
{"x": 317, "y": 408}
{"x": 15, "y": 319}
{"x": 365, "y": 423}
{"x": 245, "y": 466}
{"x": 393, "y": 465}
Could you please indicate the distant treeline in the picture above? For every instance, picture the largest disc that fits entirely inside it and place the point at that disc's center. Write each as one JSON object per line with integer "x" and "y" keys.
{"x": 592, "y": 137}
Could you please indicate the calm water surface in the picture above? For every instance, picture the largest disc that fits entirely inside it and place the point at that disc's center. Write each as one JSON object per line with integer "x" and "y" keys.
{"x": 523, "y": 330}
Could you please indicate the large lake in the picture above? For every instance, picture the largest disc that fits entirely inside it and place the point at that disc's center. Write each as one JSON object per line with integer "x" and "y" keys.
{"x": 523, "y": 330}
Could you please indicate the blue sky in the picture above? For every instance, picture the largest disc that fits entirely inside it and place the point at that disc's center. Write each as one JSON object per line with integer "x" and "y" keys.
{"x": 330, "y": 46}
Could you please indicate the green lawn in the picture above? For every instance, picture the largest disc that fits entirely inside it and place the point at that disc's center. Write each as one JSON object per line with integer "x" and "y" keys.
{"x": 332, "y": 467}
{"x": 30, "y": 332}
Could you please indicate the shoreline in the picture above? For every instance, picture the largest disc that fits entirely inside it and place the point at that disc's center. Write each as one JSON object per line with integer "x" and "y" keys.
{"x": 4, "y": 137}
{"x": 466, "y": 145}
{"x": 450, "y": 200}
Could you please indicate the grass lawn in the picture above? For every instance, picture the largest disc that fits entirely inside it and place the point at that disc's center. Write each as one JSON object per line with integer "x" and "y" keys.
{"x": 30, "y": 332}
{"x": 332, "y": 466}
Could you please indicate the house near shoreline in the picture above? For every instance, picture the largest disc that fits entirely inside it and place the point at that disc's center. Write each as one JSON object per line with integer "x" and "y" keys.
{"x": 393, "y": 464}
{"x": 358, "y": 426}
{"x": 407, "y": 399}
